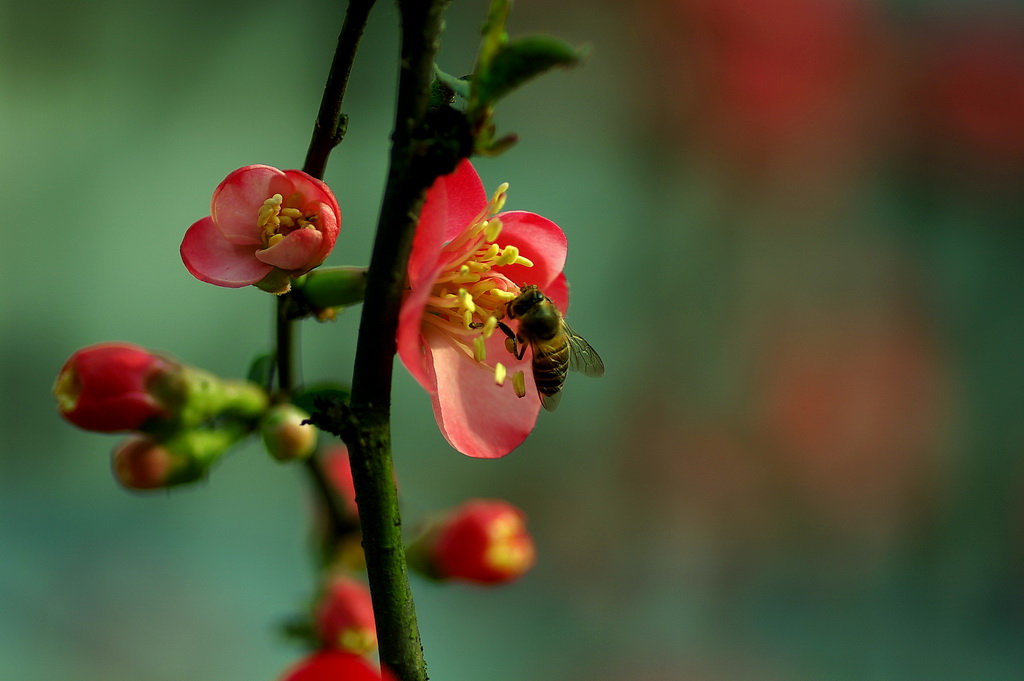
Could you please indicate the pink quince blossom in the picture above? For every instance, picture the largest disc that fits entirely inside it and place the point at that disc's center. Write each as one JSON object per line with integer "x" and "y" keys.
{"x": 468, "y": 260}
{"x": 265, "y": 226}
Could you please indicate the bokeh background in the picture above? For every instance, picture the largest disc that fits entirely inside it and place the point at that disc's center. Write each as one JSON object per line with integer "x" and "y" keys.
{"x": 796, "y": 234}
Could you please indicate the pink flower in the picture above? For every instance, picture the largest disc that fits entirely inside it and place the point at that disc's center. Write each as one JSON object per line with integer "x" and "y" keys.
{"x": 332, "y": 665}
{"x": 265, "y": 226}
{"x": 111, "y": 387}
{"x": 468, "y": 260}
{"x": 483, "y": 540}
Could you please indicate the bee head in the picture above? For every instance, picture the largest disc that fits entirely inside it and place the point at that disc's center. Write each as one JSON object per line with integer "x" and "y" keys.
{"x": 528, "y": 299}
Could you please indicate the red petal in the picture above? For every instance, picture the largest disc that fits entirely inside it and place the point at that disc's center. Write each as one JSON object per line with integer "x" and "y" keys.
{"x": 211, "y": 258}
{"x": 451, "y": 205}
{"x": 333, "y": 666}
{"x": 476, "y": 416}
{"x": 237, "y": 200}
{"x": 300, "y": 250}
{"x": 312, "y": 190}
{"x": 410, "y": 340}
{"x": 558, "y": 292}
{"x": 539, "y": 240}
{"x": 328, "y": 224}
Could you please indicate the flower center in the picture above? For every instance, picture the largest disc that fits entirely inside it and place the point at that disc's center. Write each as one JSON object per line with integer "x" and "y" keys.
{"x": 279, "y": 218}
{"x": 469, "y": 296}
{"x": 509, "y": 549}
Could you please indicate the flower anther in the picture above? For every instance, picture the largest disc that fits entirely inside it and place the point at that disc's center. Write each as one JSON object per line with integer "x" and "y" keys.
{"x": 468, "y": 261}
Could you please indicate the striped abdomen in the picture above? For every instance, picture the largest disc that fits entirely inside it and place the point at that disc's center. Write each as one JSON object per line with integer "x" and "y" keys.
{"x": 550, "y": 364}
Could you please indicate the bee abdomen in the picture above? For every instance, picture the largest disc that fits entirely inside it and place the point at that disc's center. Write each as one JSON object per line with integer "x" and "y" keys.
{"x": 550, "y": 364}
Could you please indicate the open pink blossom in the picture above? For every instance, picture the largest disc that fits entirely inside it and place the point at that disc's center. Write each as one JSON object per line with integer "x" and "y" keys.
{"x": 468, "y": 260}
{"x": 265, "y": 226}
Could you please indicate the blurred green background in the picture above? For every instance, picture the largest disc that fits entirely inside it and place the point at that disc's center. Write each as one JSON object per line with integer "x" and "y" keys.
{"x": 796, "y": 233}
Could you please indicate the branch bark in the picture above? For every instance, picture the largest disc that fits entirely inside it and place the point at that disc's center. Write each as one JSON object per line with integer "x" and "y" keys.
{"x": 367, "y": 431}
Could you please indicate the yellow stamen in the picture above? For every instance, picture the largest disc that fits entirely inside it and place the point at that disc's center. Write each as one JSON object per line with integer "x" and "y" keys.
{"x": 508, "y": 256}
{"x": 492, "y": 228}
{"x": 498, "y": 198}
{"x": 490, "y": 254}
{"x": 500, "y": 372}
{"x": 479, "y": 349}
{"x": 489, "y": 326}
{"x": 519, "y": 383}
{"x": 467, "y": 300}
{"x": 464, "y": 276}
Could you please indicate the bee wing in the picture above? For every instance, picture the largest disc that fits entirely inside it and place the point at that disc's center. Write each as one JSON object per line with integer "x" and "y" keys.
{"x": 582, "y": 357}
{"x": 550, "y": 402}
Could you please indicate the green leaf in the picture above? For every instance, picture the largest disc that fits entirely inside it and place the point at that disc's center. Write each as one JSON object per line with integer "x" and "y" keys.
{"x": 518, "y": 62}
{"x": 333, "y": 391}
{"x": 446, "y": 81}
{"x": 494, "y": 33}
{"x": 261, "y": 369}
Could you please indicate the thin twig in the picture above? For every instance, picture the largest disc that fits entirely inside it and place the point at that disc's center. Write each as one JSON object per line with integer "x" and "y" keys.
{"x": 328, "y": 131}
{"x": 330, "y": 125}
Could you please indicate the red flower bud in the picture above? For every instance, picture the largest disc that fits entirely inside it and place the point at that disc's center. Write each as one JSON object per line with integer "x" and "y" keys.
{"x": 344, "y": 617}
{"x": 481, "y": 541}
{"x": 111, "y": 387}
{"x": 143, "y": 463}
{"x": 333, "y": 665}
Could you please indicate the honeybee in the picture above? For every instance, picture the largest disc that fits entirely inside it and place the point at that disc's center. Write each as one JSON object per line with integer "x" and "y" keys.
{"x": 556, "y": 347}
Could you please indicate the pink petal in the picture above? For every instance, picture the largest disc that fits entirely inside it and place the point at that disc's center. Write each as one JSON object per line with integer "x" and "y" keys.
{"x": 409, "y": 339}
{"x": 213, "y": 259}
{"x": 452, "y": 203}
{"x": 558, "y": 292}
{"x": 539, "y": 240}
{"x": 299, "y": 250}
{"x": 311, "y": 189}
{"x": 476, "y": 416}
{"x": 237, "y": 200}
{"x": 329, "y": 224}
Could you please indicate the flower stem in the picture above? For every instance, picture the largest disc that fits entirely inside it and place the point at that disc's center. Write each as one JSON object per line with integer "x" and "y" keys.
{"x": 367, "y": 430}
{"x": 329, "y": 128}
{"x": 285, "y": 336}
{"x": 328, "y": 132}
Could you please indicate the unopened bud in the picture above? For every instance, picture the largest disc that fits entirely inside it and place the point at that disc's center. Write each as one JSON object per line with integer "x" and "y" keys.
{"x": 140, "y": 462}
{"x": 481, "y": 541}
{"x": 284, "y": 434}
{"x": 112, "y": 387}
{"x": 344, "y": 616}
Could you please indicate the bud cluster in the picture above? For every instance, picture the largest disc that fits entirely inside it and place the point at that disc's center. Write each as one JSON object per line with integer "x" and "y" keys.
{"x": 181, "y": 419}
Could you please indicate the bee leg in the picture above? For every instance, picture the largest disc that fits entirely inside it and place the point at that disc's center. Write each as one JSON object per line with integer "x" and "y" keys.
{"x": 513, "y": 343}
